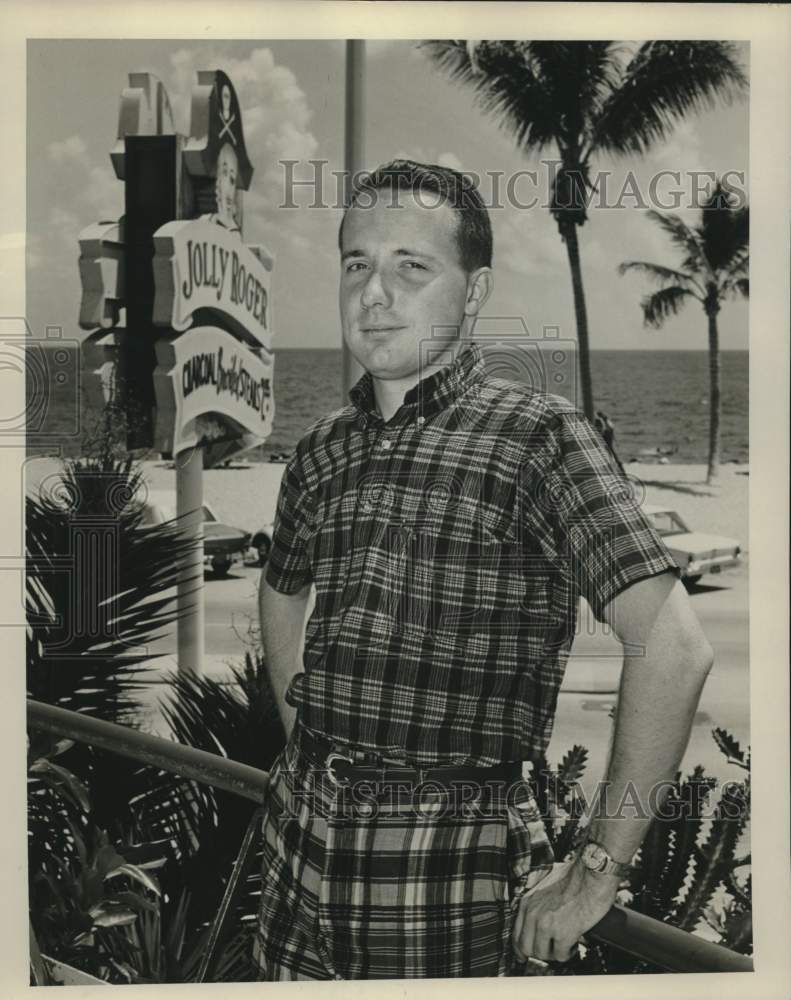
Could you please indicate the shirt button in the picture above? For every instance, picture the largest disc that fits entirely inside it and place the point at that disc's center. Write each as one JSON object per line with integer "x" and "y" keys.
{"x": 338, "y": 976}
{"x": 387, "y": 444}
{"x": 421, "y": 420}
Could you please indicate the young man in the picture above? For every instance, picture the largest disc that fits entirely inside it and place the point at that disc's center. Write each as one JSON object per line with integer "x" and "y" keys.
{"x": 449, "y": 522}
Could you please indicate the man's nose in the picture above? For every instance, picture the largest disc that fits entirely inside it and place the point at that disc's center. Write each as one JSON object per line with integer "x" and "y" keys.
{"x": 375, "y": 291}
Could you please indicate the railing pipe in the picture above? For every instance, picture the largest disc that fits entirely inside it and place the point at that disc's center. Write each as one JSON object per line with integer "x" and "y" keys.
{"x": 198, "y": 765}
{"x": 635, "y": 933}
{"x": 664, "y": 945}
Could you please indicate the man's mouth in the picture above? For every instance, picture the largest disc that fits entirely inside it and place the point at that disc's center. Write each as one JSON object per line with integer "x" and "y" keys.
{"x": 380, "y": 329}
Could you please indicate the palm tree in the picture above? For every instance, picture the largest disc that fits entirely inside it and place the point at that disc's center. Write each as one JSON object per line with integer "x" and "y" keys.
{"x": 715, "y": 267}
{"x": 585, "y": 98}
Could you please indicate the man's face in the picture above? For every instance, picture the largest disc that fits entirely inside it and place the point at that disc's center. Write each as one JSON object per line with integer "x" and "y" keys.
{"x": 401, "y": 279}
{"x": 226, "y": 184}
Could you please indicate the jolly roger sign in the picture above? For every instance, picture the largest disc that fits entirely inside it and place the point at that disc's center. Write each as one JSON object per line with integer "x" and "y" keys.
{"x": 183, "y": 201}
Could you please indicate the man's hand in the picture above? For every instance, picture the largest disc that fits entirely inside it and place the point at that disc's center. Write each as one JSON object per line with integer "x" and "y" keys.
{"x": 553, "y": 917}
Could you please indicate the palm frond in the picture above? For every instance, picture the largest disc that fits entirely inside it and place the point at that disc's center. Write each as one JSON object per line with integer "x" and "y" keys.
{"x": 660, "y": 273}
{"x": 682, "y": 236}
{"x": 665, "y": 82}
{"x": 508, "y": 83}
{"x": 662, "y": 304}
{"x": 738, "y": 288}
{"x": 99, "y": 590}
{"x": 724, "y": 230}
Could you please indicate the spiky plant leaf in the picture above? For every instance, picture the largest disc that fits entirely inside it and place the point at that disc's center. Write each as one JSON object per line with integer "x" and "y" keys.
{"x": 729, "y": 746}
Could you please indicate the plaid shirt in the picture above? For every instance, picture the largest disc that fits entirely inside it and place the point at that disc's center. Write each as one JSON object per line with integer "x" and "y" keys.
{"x": 449, "y": 547}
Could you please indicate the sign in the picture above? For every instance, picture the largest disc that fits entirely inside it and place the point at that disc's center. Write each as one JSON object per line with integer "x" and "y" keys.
{"x": 215, "y": 124}
{"x": 203, "y": 268}
{"x": 211, "y": 389}
{"x": 101, "y": 266}
{"x": 144, "y": 110}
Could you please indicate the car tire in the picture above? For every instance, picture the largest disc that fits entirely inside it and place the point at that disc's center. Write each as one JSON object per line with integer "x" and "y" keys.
{"x": 262, "y": 545}
{"x": 220, "y": 565}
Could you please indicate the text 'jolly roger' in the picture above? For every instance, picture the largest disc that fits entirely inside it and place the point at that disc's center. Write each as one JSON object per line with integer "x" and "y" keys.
{"x": 220, "y": 269}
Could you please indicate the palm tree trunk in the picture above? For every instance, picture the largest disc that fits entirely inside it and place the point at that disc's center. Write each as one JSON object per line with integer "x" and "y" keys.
{"x": 569, "y": 233}
{"x": 714, "y": 398}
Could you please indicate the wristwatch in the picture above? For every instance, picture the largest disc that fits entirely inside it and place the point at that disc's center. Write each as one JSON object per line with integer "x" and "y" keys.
{"x": 597, "y": 859}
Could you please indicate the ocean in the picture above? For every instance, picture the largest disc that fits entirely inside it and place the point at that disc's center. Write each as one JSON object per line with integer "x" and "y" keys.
{"x": 653, "y": 398}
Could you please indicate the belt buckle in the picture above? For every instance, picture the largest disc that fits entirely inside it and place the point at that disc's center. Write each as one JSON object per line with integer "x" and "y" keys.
{"x": 331, "y": 757}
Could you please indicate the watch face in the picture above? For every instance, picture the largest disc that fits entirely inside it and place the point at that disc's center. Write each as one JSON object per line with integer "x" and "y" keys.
{"x": 594, "y": 856}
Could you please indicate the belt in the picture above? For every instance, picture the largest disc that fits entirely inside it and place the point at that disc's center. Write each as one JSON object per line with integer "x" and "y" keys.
{"x": 342, "y": 769}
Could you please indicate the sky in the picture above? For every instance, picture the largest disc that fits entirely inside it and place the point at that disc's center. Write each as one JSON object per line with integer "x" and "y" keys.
{"x": 291, "y": 94}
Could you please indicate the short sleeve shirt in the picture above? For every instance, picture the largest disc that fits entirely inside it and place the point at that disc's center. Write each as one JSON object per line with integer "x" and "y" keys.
{"x": 449, "y": 547}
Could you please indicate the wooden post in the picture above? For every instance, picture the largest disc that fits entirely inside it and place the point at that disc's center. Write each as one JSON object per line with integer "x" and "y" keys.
{"x": 354, "y": 160}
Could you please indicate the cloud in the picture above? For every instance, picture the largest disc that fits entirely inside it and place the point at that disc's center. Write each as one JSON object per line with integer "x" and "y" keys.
{"x": 65, "y": 150}
{"x": 451, "y": 161}
{"x": 275, "y": 111}
{"x": 527, "y": 242}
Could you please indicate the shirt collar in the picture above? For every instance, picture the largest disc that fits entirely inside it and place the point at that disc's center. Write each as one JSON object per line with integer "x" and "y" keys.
{"x": 431, "y": 394}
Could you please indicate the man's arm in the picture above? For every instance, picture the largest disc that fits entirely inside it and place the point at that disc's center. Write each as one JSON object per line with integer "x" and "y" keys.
{"x": 282, "y": 619}
{"x": 666, "y": 660}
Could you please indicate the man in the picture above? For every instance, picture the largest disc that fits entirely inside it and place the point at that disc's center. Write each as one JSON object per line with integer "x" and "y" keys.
{"x": 449, "y": 522}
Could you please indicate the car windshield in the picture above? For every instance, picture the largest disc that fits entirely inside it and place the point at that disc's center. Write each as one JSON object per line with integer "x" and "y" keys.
{"x": 154, "y": 513}
{"x": 157, "y": 513}
{"x": 667, "y": 522}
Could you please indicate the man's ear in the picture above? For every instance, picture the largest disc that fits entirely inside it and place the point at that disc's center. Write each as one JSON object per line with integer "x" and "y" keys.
{"x": 479, "y": 288}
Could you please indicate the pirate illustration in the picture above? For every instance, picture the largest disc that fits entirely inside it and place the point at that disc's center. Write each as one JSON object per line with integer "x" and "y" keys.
{"x": 225, "y": 189}
{"x": 223, "y": 150}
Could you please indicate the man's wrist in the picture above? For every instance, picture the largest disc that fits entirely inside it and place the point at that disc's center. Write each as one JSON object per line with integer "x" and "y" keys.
{"x": 596, "y": 884}
{"x": 597, "y": 859}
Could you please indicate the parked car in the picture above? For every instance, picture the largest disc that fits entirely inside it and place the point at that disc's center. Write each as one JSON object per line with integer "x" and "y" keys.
{"x": 223, "y": 545}
{"x": 695, "y": 553}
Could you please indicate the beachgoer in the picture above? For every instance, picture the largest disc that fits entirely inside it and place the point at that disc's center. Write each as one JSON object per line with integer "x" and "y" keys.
{"x": 449, "y": 522}
{"x": 606, "y": 428}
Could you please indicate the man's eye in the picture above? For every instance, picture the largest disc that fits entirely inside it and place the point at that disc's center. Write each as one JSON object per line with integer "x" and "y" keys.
{"x": 415, "y": 265}
{"x": 355, "y": 265}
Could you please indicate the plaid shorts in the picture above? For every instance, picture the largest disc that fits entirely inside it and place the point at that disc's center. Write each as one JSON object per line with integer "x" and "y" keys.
{"x": 363, "y": 882}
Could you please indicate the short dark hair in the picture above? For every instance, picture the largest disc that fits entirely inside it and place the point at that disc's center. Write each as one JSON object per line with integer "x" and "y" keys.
{"x": 457, "y": 190}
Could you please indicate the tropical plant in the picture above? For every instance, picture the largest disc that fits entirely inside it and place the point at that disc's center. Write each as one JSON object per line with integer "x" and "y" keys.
{"x": 83, "y": 889}
{"x": 688, "y": 870}
{"x": 584, "y": 99}
{"x": 98, "y": 590}
{"x": 715, "y": 267}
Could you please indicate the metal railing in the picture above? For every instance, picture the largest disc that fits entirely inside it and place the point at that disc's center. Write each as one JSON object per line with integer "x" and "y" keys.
{"x": 644, "y": 937}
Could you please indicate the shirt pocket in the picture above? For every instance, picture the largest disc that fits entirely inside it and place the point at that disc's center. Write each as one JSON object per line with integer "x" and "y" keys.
{"x": 465, "y": 568}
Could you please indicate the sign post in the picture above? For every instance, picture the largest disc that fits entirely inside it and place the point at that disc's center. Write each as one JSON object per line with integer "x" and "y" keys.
{"x": 189, "y": 504}
{"x": 195, "y": 358}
